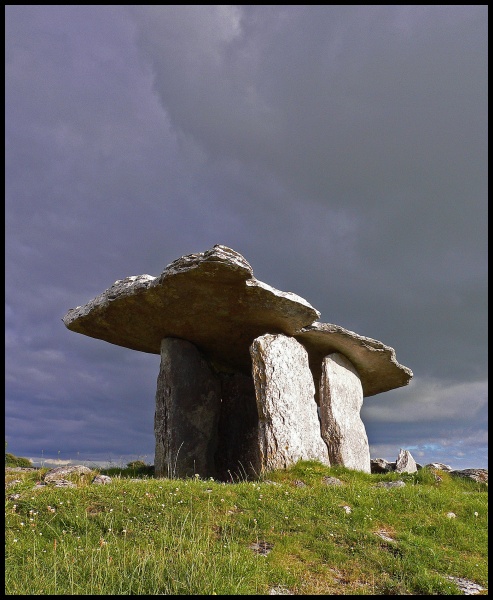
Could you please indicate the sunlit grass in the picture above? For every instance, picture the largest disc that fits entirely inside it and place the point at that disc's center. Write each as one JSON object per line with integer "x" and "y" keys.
{"x": 195, "y": 536}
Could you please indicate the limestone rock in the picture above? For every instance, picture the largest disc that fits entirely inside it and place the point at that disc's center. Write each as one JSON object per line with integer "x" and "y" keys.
{"x": 101, "y": 480}
{"x": 479, "y": 475}
{"x": 213, "y": 300}
{"x": 59, "y": 473}
{"x": 466, "y": 586}
{"x": 187, "y": 412}
{"x": 390, "y": 484}
{"x": 210, "y": 299}
{"x": 439, "y": 466}
{"x": 405, "y": 463}
{"x": 289, "y": 429}
{"x": 380, "y": 465}
{"x": 375, "y": 362}
{"x": 331, "y": 481}
{"x": 341, "y": 399}
{"x": 215, "y": 324}
{"x": 64, "y": 483}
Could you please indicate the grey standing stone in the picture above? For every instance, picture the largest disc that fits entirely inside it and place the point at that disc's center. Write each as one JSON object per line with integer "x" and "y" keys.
{"x": 187, "y": 412}
{"x": 341, "y": 399}
{"x": 289, "y": 429}
{"x": 405, "y": 463}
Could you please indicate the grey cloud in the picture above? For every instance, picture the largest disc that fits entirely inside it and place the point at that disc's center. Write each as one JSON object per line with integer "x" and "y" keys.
{"x": 341, "y": 150}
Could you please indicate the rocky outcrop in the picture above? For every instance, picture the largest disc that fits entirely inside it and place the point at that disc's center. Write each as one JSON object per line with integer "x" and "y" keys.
{"x": 289, "y": 429}
{"x": 404, "y": 463}
{"x": 478, "y": 475}
{"x": 341, "y": 399}
{"x": 439, "y": 466}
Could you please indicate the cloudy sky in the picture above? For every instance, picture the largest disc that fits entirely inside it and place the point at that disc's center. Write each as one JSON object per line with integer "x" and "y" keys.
{"x": 341, "y": 150}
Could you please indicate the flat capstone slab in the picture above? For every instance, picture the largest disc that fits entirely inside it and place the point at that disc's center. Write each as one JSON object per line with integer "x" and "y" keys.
{"x": 212, "y": 300}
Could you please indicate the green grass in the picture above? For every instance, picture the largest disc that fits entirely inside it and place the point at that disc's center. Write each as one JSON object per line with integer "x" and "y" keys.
{"x": 193, "y": 536}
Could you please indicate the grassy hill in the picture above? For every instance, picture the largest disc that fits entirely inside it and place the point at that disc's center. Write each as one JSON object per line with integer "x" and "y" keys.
{"x": 289, "y": 533}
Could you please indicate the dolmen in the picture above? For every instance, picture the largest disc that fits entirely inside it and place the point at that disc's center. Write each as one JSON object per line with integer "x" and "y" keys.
{"x": 249, "y": 380}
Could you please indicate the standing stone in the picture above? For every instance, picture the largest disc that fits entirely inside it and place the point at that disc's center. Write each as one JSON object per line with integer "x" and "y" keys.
{"x": 187, "y": 412}
{"x": 405, "y": 463}
{"x": 237, "y": 450}
{"x": 289, "y": 429}
{"x": 341, "y": 399}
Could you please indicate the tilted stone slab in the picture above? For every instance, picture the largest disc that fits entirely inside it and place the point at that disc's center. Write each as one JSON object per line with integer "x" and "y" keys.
{"x": 188, "y": 401}
{"x": 375, "y": 362}
{"x": 341, "y": 399}
{"x": 210, "y": 299}
{"x": 289, "y": 429}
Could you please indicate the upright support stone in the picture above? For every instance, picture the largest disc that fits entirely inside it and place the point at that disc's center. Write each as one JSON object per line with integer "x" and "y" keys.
{"x": 341, "y": 399}
{"x": 187, "y": 412}
{"x": 289, "y": 429}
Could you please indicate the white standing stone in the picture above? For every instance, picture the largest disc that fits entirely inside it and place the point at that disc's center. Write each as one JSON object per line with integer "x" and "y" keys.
{"x": 405, "y": 462}
{"x": 289, "y": 428}
{"x": 341, "y": 399}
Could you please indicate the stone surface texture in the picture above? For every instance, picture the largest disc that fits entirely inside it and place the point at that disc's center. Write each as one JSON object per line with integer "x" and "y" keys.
{"x": 187, "y": 412}
{"x": 478, "y": 475}
{"x": 289, "y": 429}
{"x": 59, "y": 473}
{"x": 390, "y": 484}
{"x": 341, "y": 399}
{"x": 439, "y": 466}
{"x": 213, "y": 300}
{"x": 405, "y": 463}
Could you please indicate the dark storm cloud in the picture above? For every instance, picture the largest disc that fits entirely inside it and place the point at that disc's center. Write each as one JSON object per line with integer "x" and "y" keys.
{"x": 341, "y": 150}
